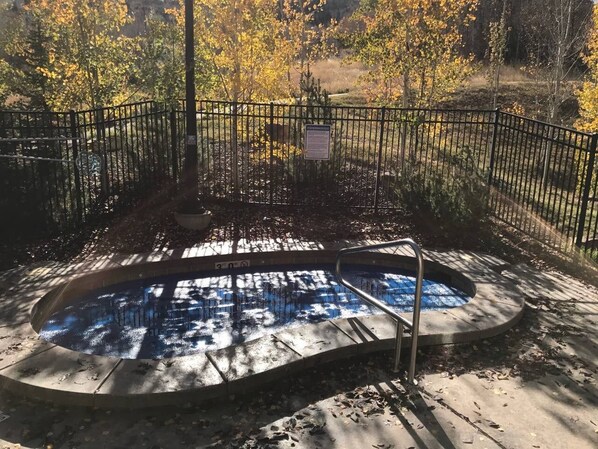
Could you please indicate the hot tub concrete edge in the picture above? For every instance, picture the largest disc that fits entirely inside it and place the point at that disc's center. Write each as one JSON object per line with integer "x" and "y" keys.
{"x": 35, "y": 368}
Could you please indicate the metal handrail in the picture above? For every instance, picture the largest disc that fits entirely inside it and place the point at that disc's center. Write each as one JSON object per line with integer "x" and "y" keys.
{"x": 401, "y": 321}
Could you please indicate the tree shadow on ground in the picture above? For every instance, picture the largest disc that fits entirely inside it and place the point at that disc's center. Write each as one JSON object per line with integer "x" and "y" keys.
{"x": 239, "y": 421}
{"x": 150, "y": 226}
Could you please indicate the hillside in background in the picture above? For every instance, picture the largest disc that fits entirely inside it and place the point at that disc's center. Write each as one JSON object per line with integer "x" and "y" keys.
{"x": 523, "y": 17}
{"x": 528, "y": 81}
{"x": 333, "y": 9}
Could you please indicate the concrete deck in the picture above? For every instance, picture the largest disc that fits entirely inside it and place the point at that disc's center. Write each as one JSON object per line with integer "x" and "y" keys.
{"x": 536, "y": 390}
{"x": 41, "y": 370}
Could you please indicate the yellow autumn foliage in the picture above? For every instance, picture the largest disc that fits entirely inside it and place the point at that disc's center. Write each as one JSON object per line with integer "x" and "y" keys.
{"x": 239, "y": 44}
{"x": 588, "y": 95}
{"x": 411, "y": 48}
{"x": 4, "y": 88}
{"x": 246, "y": 49}
{"x": 76, "y": 48}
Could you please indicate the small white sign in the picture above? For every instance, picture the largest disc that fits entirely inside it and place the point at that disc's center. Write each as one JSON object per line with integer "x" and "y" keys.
{"x": 317, "y": 142}
{"x": 231, "y": 264}
{"x": 191, "y": 140}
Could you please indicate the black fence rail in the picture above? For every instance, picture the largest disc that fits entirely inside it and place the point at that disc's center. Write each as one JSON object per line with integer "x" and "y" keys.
{"x": 544, "y": 181}
{"x": 254, "y": 152}
{"x": 58, "y": 170}
{"x": 134, "y": 147}
{"x": 37, "y": 171}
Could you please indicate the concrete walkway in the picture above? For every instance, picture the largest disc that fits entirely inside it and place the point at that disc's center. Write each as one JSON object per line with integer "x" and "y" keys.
{"x": 544, "y": 396}
{"x": 532, "y": 387}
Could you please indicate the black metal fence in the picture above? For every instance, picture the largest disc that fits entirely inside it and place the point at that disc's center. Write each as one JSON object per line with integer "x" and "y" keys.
{"x": 58, "y": 170}
{"x": 254, "y": 152}
{"x": 544, "y": 181}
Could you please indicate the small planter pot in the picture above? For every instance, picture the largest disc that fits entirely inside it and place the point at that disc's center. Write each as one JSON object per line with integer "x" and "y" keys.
{"x": 195, "y": 222}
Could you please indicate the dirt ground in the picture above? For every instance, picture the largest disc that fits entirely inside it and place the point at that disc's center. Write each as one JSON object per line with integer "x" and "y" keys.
{"x": 531, "y": 387}
{"x": 150, "y": 226}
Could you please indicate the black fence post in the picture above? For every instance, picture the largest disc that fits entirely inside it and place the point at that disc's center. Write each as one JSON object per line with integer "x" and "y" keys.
{"x": 586, "y": 191}
{"x": 271, "y": 139}
{"x": 235, "y": 150}
{"x": 379, "y": 164}
{"x": 75, "y": 141}
{"x": 493, "y": 147}
{"x": 100, "y": 146}
{"x": 174, "y": 147}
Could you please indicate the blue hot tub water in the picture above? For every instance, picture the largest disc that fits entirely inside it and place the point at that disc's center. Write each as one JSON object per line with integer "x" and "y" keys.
{"x": 187, "y": 314}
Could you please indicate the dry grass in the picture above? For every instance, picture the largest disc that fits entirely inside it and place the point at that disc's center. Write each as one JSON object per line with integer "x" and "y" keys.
{"x": 517, "y": 89}
{"x": 14, "y": 101}
{"x": 337, "y": 76}
{"x": 518, "y": 92}
{"x": 508, "y": 75}
{"x": 352, "y": 98}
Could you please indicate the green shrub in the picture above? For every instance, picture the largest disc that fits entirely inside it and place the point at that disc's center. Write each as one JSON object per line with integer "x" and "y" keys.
{"x": 455, "y": 199}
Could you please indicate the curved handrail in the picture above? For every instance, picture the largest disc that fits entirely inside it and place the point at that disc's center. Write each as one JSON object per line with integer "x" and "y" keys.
{"x": 401, "y": 321}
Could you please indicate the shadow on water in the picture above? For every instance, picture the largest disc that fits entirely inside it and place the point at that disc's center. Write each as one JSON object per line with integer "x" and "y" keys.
{"x": 170, "y": 316}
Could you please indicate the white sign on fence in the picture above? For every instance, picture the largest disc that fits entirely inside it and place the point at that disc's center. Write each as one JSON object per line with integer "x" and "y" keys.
{"x": 317, "y": 142}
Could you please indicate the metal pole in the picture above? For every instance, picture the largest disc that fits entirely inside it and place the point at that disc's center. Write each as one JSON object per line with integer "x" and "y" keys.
{"x": 547, "y": 155}
{"x": 416, "y": 312}
{"x": 271, "y": 139}
{"x": 174, "y": 146}
{"x": 102, "y": 149}
{"x": 235, "y": 150}
{"x": 413, "y": 325}
{"x": 586, "y": 190}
